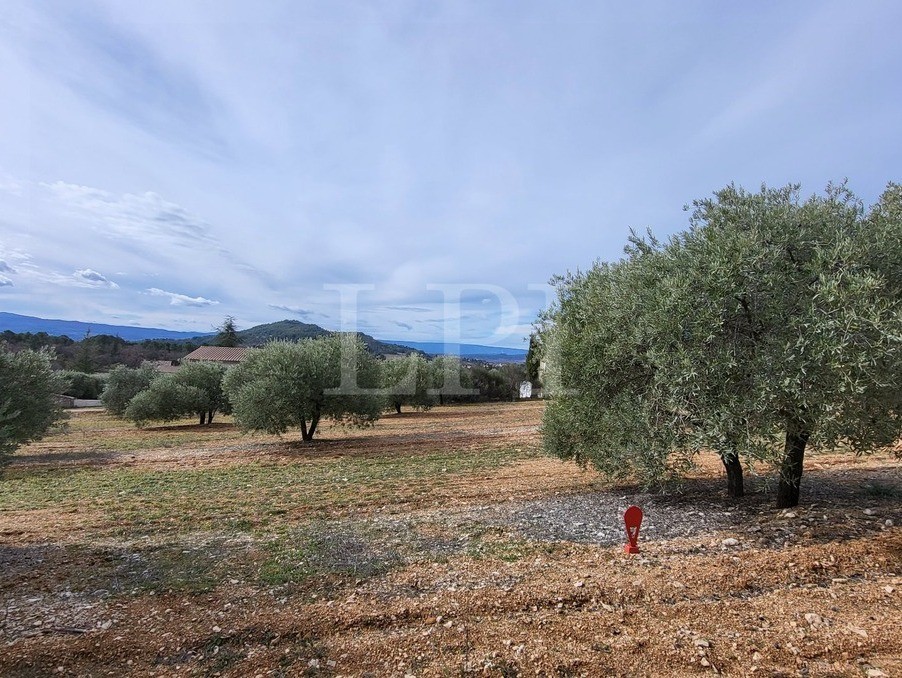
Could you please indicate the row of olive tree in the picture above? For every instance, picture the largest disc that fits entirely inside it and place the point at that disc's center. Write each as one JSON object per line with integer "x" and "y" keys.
{"x": 143, "y": 395}
{"x": 415, "y": 382}
{"x": 771, "y": 324}
{"x": 286, "y": 385}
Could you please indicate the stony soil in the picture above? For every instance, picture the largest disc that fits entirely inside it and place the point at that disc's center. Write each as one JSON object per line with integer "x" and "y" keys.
{"x": 510, "y": 564}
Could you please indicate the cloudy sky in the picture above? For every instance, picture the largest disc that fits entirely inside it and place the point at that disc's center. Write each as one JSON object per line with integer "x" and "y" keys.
{"x": 168, "y": 163}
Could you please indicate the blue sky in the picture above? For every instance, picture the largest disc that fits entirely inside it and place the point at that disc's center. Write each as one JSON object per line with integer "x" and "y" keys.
{"x": 168, "y": 163}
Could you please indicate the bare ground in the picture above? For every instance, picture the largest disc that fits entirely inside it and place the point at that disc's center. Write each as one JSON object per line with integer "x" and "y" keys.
{"x": 438, "y": 543}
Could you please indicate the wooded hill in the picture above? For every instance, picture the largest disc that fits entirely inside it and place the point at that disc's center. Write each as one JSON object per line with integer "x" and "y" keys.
{"x": 295, "y": 330}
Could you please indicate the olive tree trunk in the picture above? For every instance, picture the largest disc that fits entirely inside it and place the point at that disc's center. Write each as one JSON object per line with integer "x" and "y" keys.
{"x": 733, "y": 466}
{"x": 791, "y": 468}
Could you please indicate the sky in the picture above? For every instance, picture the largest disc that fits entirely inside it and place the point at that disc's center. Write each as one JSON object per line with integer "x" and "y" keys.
{"x": 414, "y": 170}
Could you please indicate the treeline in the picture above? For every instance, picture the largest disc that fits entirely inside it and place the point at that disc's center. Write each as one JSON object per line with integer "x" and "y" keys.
{"x": 96, "y": 353}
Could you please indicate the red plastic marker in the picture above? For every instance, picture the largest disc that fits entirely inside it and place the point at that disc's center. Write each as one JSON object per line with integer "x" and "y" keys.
{"x": 633, "y": 519}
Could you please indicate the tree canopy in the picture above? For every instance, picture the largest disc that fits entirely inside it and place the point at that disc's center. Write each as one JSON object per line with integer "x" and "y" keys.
{"x": 196, "y": 389}
{"x": 772, "y": 323}
{"x": 408, "y": 382}
{"x": 123, "y": 384}
{"x": 27, "y": 405}
{"x": 227, "y": 333}
{"x": 284, "y": 385}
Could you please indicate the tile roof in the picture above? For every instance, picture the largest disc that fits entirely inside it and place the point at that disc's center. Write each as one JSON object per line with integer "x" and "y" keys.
{"x": 219, "y": 354}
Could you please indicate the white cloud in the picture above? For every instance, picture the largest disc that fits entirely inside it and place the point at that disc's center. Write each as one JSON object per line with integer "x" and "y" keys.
{"x": 143, "y": 217}
{"x": 6, "y": 268}
{"x": 5, "y": 282}
{"x": 94, "y": 279}
{"x": 176, "y": 299}
{"x": 296, "y": 310}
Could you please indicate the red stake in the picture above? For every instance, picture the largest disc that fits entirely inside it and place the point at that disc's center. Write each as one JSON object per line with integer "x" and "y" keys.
{"x": 633, "y": 519}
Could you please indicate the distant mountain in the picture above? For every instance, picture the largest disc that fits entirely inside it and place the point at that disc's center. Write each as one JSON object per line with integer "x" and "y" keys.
{"x": 76, "y": 330}
{"x": 284, "y": 330}
{"x": 295, "y": 330}
{"x": 492, "y": 354}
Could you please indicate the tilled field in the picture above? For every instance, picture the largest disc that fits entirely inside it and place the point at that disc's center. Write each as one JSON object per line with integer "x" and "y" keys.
{"x": 437, "y": 543}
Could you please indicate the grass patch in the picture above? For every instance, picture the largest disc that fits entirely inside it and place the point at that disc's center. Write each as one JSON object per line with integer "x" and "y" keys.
{"x": 104, "y": 432}
{"x": 257, "y": 494}
{"x": 492, "y": 543}
{"x": 322, "y": 548}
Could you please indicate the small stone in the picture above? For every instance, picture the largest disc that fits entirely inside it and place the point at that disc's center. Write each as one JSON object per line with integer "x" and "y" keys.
{"x": 888, "y": 589}
{"x": 814, "y": 620}
{"x": 869, "y": 512}
{"x": 579, "y": 585}
{"x": 704, "y": 662}
{"x": 888, "y": 522}
{"x": 313, "y": 663}
{"x": 756, "y": 657}
{"x": 730, "y": 541}
{"x": 701, "y": 642}
{"x": 216, "y": 629}
{"x": 875, "y": 673}
{"x": 790, "y": 514}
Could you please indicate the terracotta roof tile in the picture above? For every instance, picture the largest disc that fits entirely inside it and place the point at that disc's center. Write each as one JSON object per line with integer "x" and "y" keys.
{"x": 219, "y": 354}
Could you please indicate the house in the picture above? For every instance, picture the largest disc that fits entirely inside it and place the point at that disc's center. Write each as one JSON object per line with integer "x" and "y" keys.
{"x": 224, "y": 355}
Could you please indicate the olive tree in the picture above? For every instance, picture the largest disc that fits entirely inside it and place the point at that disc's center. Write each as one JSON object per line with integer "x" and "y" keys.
{"x": 284, "y": 385}
{"x": 166, "y": 400}
{"x": 27, "y": 404}
{"x": 451, "y": 380}
{"x": 609, "y": 401}
{"x": 196, "y": 389}
{"x": 123, "y": 384}
{"x": 771, "y": 324}
{"x": 407, "y": 381}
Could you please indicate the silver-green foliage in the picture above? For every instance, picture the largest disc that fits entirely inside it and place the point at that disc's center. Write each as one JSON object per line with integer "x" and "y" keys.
{"x": 123, "y": 384}
{"x": 196, "y": 388}
{"x": 772, "y": 321}
{"x": 285, "y": 385}
{"x": 408, "y": 381}
{"x": 166, "y": 400}
{"x": 27, "y": 404}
